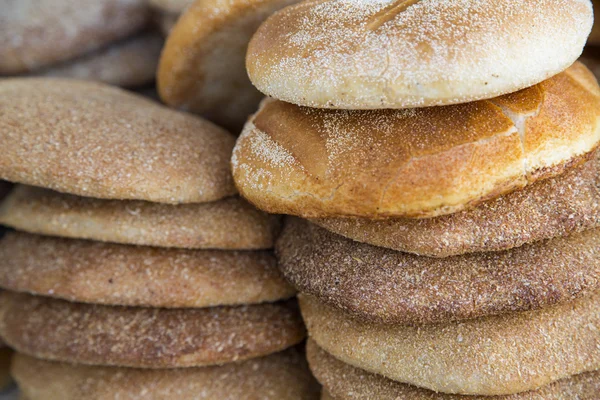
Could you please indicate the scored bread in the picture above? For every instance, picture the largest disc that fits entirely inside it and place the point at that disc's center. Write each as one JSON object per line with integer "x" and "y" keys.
{"x": 103, "y": 273}
{"x": 202, "y": 67}
{"x": 490, "y": 356}
{"x": 128, "y": 63}
{"x": 280, "y": 376}
{"x": 349, "y": 383}
{"x": 379, "y": 285}
{"x": 146, "y": 337}
{"x": 38, "y": 33}
{"x": 418, "y": 162}
{"x": 230, "y": 223}
{"x": 95, "y": 140}
{"x": 554, "y": 207}
{"x": 354, "y": 54}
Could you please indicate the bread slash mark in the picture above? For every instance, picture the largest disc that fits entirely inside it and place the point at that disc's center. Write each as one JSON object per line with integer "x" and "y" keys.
{"x": 389, "y": 13}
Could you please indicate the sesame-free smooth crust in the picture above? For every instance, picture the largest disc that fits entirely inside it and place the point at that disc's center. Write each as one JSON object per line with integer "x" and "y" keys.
{"x": 280, "y": 376}
{"x": 354, "y": 54}
{"x": 379, "y": 285}
{"x": 490, "y": 356}
{"x": 229, "y": 224}
{"x": 553, "y": 207}
{"x": 146, "y": 337}
{"x": 344, "y": 382}
{"x": 131, "y": 62}
{"x": 202, "y": 68}
{"x": 95, "y": 140}
{"x": 106, "y": 273}
{"x": 38, "y": 33}
{"x": 417, "y": 162}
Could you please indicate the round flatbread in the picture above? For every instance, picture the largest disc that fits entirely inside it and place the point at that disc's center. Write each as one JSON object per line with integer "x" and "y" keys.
{"x": 559, "y": 206}
{"x": 490, "y": 356}
{"x": 280, "y": 376}
{"x": 131, "y": 62}
{"x": 146, "y": 337}
{"x": 202, "y": 67}
{"x": 96, "y": 140}
{"x": 38, "y": 33}
{"x": 415, "y": 163}
{"x": 350, "y": 383}
{"x": 103, "y": 273}
{"x": 385, "y": 286}
{"x": 414, "y": 53}
{"x": 228, "y": 224}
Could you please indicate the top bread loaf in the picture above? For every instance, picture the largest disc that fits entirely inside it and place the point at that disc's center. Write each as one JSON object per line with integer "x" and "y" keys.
{"x": 373, "y": 54}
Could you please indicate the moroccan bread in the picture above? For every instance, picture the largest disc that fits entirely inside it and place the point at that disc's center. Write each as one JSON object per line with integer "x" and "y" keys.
{"x": 355, "y": 54}
{"x": 202, "y": 67}
{"x": 230, "y": 223}
{"x": 96, "y": 140}
{"x": 280, "y": 376}
{"x": 344, "y": 382}
{"x": 490, "y": 356}
{"x": 38, "y": 33}
{"x": 137, "y": 337}
{"x": 417, "y": 162}
{"x": 131, "y": 62}
{"x": 385, "y": 286}
{"x": 115, "y": 274}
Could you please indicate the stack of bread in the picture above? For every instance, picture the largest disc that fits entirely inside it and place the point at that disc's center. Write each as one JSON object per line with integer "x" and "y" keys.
{"x": 101, "y": 40}
{"x": 442, "y": 158}
{"x": 134, "y": 272}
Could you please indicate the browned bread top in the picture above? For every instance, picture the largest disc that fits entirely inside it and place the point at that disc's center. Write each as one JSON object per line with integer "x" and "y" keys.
{"x": 104, "y": 273}
{"x": 413, "y": 53}
{"x": 415, "y": 163}
{"x": 146, "y": 337}
{"x": 37, "y": 33}
{"x": 95, "y": 140}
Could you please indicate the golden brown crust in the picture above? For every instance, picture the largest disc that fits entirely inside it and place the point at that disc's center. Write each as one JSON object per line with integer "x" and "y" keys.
{"x": 490, "y": 356}
{"x": 415, "y": 163}
{"x": 146, "y": 337}
{"x": 349, "y": 383}
{"x": 401, "y": 54}
{"x": 95, "y": 140}
{"x": 101, "y": 273}
{"x": 129, "y": 63}
{"x": 281, "y": 376}
{"x": 385, "y": 286}
{"x": 554, "y": 207}
{"x": 36, "y": 34}
{"x": 230, "y": 224}
{"x": 202, "y": 68}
